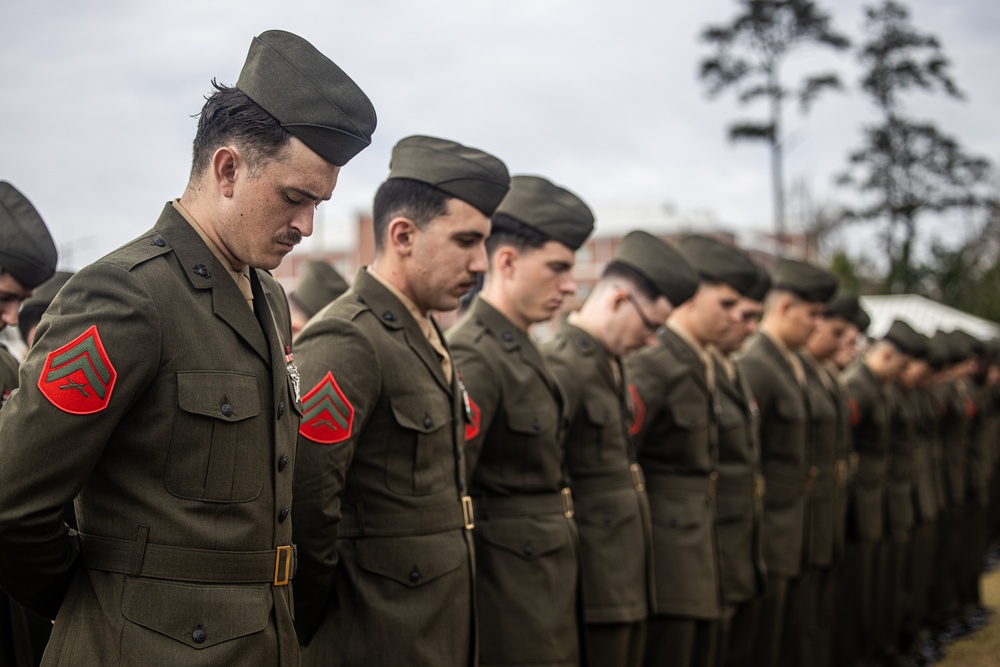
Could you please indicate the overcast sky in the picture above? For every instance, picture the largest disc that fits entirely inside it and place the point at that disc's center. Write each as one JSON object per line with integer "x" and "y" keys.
{"x": 97, "y": 98}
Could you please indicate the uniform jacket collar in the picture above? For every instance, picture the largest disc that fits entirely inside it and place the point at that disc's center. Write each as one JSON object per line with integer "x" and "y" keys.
{"x": 205, "y": 272}
{"x": 588, "y": 347}
{"x": 682, "y": 351}
{"x": 396, "y": 317}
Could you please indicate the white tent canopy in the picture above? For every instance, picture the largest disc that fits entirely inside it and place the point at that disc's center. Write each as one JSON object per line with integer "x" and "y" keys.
{"x": 924, "y": 315}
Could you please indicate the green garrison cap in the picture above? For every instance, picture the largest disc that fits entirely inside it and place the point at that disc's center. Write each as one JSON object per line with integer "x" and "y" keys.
{"x": 938, "y": 350}
{"x": 862, "y": 320}
{"x": 469, "y": 174}
{"x": 552, "y": 210}
{"x": 26, "y": 248}
{"x": 804, "y": 280}
{"x": 761, "y": 284}
{"x": 719, "y": 262}
{"x": 970, "y": 343}
{"x": 905, "y": 338}
{"x": 308, "y": 95}
{"x": 663, "y": 266}
{"x": 845, "y": 305}
{"x": 319, "y": 285}
{"x": 34, "y": 306}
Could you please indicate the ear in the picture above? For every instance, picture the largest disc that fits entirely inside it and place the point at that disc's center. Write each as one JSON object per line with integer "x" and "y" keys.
{"x": 504, "y": 261}
{"x": 617, "y": 297}
{"x": 401, "y": 232}
{"x": 225, "y": 162}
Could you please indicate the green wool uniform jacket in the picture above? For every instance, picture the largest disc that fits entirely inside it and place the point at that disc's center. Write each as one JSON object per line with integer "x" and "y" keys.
{"x": 677, "y": 438}
{"x": 527, "y": 551}
{"x": 740, "y": 499}
{"x": 157, "y": 398}
{"x": 609, "y": 498}
{"x": 953, "y": 428}
{"x": 920, "y": 404}
{"x": 870, "y": 430}
{"x": 904, "y": 419}
{"x": 822, "y": 469}
{"x": 845, "y": 463}
{"x": 8, "y": 374}
{"x": 386, "y": 559}
{"x": 784, "y": 428}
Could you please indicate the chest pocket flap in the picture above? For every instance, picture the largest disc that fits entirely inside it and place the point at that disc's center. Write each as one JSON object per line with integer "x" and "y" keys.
{"x": 525, "y": 419}
{"x": 790, "y": 410}
{"x": 423, "y": 414}
{"x": 600, "y": 412}
{"x": 690, "y": 416}
{"x": 227, "y": 396}
{"x": 527, "y": 539}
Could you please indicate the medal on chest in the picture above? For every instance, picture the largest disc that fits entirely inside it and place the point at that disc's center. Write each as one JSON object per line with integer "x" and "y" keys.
{"x": 293, "y": 372}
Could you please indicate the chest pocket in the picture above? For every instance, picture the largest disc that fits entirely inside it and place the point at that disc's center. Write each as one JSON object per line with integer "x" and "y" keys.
{"x": 603, "y": 417}
{"x": 218, "y": 451}
{"x": 420, "y": 457}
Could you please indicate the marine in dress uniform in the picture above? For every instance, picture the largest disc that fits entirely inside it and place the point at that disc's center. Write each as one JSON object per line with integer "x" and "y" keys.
{"x": 27, "y": 261}
{"x": 159, "y": 392}
{"x": 382, "y": 513}
{"x": 318, "y": 285}
{"x": 808, "y": 627}
{"x": 677, "y": 435}
{"x": 637, "y": 290}
{"x": 777, "y": 380}
{"x": 741, "y": 488}
{"x": 871, "y": 434}
{"x": 527, "y": 552}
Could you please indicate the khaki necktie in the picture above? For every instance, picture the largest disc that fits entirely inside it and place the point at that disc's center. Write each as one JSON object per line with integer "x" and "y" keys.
{"x": 243, "y": 282}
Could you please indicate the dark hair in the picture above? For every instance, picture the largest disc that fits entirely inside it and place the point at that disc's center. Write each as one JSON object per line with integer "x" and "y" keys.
{"x": 616, "y": 270}
{"x": 414, "y": 200}
{"x": 508, "y": 231}
{"x": 230, "y": 117}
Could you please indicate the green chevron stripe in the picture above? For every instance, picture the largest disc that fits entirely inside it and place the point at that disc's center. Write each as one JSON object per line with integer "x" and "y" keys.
{"x": 88, "y": 347}
{"x": 81, "y": 363}
{"x": 315, "y": 405}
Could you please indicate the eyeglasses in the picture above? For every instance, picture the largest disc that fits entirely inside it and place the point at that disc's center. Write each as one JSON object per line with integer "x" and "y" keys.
{"x": 650, "y": 325}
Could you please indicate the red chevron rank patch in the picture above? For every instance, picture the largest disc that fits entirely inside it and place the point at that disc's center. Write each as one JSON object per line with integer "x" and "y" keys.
{"x": 474, "y": 416}
{"x": 327, "y": 415}
{"x": 638, "y": 411}
{"x": 78, "y": 377}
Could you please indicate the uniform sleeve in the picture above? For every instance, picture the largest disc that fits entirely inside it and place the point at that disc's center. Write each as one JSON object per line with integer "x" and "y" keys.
{"x": 340, "y": 379}
{"x": 648, "y": 391}
{"x": 483, "y": 387}
{"x": 97, "y": 349}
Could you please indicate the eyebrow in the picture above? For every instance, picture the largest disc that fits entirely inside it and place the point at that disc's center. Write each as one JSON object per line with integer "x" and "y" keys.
{"x": 307, "y": 194}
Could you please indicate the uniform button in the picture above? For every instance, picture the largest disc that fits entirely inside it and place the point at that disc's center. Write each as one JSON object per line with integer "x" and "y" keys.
{"x": 537, "y": 425}
{"x": 361, "y": 299}
{"x": 428, "y": 422}
{"x": 461, "y": 485}
{"x": 607, "y": 519}
{"x": 528, "y": 550}
{"x": 673, "y": 522}
{"x": 159, "y": 242}
{"x": 388, "y": 316}
{"x": 282, "y": 462}
{"x": 198, "y": 636}
{"x": 281, "y": 409}
{"x": 507, "y": 336}
{"x": 415, "y": 574}
{"x": 226, "y": 409}
{"x": 283, "y": 514}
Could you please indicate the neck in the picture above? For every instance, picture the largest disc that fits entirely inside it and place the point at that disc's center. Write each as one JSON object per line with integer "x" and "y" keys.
{"x": 390, "y": 269}
{"x": 205, "y": 214}
{"x": 495, "y": 295}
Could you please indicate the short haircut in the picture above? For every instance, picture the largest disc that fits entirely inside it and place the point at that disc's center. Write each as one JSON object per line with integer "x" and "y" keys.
{"x": 776, "y": 293}
{"x": 230, "y": 117}
{"x": 407, "y": 198}
{"x": 616, "y": 270}
{"x": 508, "y": 231}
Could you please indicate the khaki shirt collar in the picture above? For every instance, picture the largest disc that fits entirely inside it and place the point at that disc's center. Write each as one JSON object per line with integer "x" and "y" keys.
{"x": 699, "y": 349}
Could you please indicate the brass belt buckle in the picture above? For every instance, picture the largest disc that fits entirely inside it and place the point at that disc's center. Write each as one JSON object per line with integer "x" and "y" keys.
{"x": 468, "y": 515}
{"x": 758, "y": 487}
{"x": 637, "y": 479}
{"x": 567, "y": 501}
{"x": 287, "y": 551}
{"x": 841, "y": 470}
{"x": 713, "y": 482}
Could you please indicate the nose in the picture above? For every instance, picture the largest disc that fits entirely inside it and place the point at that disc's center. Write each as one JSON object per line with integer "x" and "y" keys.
{"x": 304, "y": 222}
{"x": 568, "y": 285}
{"x": 480, "y": 260}
{"x": 8, "y": 312}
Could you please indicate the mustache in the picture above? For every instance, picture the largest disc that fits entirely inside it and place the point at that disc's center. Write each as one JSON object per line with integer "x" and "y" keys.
{"x": 291, "y": 237}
